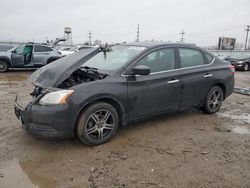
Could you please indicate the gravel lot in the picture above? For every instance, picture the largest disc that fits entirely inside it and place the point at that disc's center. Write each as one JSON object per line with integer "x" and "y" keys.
{"x": 187, "y": 149}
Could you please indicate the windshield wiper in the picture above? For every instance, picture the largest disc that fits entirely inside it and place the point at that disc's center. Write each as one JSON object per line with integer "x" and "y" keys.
{"x": 90, "y": 68}
{"x": 94, "y": 71}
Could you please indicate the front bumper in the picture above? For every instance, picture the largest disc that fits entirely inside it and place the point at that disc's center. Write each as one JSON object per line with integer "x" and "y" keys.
{"x": 46, "y": 121}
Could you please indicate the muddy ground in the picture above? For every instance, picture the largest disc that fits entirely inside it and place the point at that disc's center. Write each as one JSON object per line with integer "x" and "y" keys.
{"x": 187, "y": 149}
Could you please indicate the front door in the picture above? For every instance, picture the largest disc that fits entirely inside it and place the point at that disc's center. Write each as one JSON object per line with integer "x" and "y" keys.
{"x": 158, "y": 92}
{"x": 17, "y": 56}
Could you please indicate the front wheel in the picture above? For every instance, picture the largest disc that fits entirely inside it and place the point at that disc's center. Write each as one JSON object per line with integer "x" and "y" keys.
{"x": 245, "y": 67}
{"x": 4, "y": 66}
{"x": 98, "y": 124}
{"x": 213, "y": 100}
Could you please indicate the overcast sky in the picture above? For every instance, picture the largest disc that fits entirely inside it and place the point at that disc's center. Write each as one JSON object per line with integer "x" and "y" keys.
{"x": 116, "y": 20}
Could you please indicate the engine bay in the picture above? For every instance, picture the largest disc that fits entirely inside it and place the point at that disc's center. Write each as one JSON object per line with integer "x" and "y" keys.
{"x": 81, "y": 75}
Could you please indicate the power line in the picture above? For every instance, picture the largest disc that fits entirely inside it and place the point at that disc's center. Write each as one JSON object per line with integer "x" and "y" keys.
{"x": 182, "y": 35}
{"x": 90, "y": 37}
{"x": 247, "y": 30}
{"x": 138, "y": 33}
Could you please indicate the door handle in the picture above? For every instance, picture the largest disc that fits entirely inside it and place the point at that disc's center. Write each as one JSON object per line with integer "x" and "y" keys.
{"x": 173, "y": 81}
{"x": 207, "y": 75}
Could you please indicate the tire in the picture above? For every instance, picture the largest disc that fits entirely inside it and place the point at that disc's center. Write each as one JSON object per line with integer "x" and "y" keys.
{"x": 97, "y": 124}
{"x": 213, "y": 100}
{"x": 50, "y": 61}
{"x": 4, "y": 66}
{"x": 245, "y": 67}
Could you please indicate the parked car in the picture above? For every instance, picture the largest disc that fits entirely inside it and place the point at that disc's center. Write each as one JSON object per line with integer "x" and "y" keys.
{"x": 27, "y": 56}
{"x": 93, "y": 92}
{"x": 241, "y": 60}
{"x": 74, "y": 49}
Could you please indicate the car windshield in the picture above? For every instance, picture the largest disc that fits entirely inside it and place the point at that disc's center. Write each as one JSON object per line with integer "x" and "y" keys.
{"x": 240, "y": 55}
{"x": 114, "y": 59}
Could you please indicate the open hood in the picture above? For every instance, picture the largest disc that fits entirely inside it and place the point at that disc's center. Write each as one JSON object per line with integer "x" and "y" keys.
{"x": 56, "y": 72}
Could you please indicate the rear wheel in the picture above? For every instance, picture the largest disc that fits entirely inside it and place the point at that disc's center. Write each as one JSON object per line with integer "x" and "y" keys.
{"x": 98, "y": 124}
{"x": 4, "y": 66}
{"x": 213, "y": 100}
{"x": 245, "y": 67}
{"x": 50, "y": 61}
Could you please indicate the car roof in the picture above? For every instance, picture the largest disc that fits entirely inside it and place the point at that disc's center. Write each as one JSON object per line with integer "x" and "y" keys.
{"x": 37, "y": 44}
{"x": 153, "y": 44}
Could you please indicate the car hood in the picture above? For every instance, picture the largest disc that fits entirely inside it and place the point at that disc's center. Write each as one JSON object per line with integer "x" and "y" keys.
{"x": 237, "y": 59}
{"x": 4, "y": 53}
{"x": 56, "y": 72}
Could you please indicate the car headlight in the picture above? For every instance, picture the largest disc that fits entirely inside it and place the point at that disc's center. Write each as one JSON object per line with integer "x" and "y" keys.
{"x": 57, "y": 97}
{"x": 240, "y": 62}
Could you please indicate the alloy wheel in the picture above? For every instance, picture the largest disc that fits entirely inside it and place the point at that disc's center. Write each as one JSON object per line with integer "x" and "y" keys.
{"x": 100, "y": 124}
{"x": 3, "y": 67}
{"x": 215, "y": 100}
{"x": 246, "y": 66}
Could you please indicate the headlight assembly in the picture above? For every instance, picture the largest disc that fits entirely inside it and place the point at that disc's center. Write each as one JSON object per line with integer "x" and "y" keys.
{"x": 57, "y": 97}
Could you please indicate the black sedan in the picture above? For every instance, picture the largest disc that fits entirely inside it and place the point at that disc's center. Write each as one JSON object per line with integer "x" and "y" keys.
{"x": 240, "y": 60}
{"x": 93, "y": 92}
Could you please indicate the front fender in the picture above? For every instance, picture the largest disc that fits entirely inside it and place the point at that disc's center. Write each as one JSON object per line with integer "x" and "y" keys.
{"x": 6, "y": 58}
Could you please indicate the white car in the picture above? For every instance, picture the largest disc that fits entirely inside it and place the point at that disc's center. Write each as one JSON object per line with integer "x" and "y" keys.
{"x": 73, "y": 50}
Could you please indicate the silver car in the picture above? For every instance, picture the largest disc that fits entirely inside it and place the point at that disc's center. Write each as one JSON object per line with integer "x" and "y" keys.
{"x": 28, "y": 56}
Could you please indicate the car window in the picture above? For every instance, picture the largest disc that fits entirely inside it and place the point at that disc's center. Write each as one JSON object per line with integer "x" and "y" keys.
{"x": 20, "y": 49}
{"x": 43, "y": 49}
{"x": 191, "y": 57}
{"x": 160, "y": 60}
{"x": 209, "y": 58}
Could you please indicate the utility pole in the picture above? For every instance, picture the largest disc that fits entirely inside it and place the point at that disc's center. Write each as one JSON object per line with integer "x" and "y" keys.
{"x": 247, "y": 30}
{"x": 90, "y": 38}
{"x": 138, "y": 33}
{"x": 182, "y": 35}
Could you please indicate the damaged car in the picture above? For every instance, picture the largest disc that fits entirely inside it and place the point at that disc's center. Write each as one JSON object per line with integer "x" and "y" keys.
{"x": 91, "y": 93}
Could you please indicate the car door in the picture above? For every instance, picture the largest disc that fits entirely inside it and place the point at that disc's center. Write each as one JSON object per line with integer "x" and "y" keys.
{"x": 41, "y": 55}
{"x": 196, "y": 76}
{"x": 17, "y": 56}
{"x": 160, "y": 90}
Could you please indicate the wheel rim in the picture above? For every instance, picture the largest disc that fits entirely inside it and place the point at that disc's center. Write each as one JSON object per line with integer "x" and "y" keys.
{"x": 100, "y": 124}
{"x": 3, "y": 66}
{"x": 215, "y": 100}
{"x": 246, "y": 67}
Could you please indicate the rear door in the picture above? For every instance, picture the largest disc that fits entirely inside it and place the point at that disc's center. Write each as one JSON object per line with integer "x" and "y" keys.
{"x": 196, "y": 76}
{"x": 41, "y": 55}
{"x": 159, "y": 91}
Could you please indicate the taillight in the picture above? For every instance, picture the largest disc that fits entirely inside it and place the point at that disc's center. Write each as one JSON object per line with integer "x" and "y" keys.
{"x": 232, "y": 69}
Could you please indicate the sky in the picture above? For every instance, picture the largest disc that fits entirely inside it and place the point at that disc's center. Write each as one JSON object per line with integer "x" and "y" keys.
{"x": 203, "y": 21}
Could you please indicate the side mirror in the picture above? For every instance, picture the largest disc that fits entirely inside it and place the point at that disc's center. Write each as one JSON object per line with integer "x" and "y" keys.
{"x": 140, "y": 70}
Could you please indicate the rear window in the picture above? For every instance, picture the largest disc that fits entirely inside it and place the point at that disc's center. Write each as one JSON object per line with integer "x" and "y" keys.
{"x": 43, "y": 49}
{"x": 191, "y": 57}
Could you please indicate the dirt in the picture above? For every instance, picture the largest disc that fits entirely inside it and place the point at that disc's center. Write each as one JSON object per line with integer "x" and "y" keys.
{"x": 185, "y": 149}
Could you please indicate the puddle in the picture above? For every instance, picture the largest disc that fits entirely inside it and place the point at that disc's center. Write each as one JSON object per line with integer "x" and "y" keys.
{"x": 241, "y": 130}
{"x": 241, "y": 121}
{"x": 21, "y": 174}
{"x": 241, "y": 118}
{"x": 5, "y": 78}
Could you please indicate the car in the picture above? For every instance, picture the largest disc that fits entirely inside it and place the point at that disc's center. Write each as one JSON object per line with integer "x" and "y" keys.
{"x": 241, "y": 60}
{"x": 94, "y": 92}
{"x": 74, "y": 49}
{"x": 27, "y": 55}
